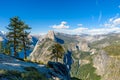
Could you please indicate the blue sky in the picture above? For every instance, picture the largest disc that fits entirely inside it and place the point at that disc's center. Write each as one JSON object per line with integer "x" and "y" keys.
{"x": 62, "y": 15}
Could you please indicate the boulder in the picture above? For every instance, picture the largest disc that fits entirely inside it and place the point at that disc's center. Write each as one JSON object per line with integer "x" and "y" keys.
{"x": 59, "y": 70}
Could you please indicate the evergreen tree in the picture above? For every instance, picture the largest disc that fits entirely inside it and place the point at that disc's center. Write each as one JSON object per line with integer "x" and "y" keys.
{"x": 14, "y": 34}
{"x": 57, "y": 51}
{"x": 24, "y": 38}
{"x": 18, "y": 36}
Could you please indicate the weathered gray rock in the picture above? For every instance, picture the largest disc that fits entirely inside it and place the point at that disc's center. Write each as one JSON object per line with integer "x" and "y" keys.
{"x": 100, "y": 62}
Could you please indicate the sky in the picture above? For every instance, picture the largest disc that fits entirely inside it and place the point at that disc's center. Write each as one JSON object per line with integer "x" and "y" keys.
{"x": 67, "y": 16}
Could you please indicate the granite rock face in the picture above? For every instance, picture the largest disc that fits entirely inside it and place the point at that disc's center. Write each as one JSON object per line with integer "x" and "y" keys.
{"x": 42, "y": 52}
{"x": 100, "y": 62}
{"x": 107, "y": 67}
{"x": 51, "y": 35}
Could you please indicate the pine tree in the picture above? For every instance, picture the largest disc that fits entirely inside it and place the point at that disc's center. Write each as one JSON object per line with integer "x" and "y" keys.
{"x": 57, "y": 51}
{"x": 25, "y": 40}
{"x": 14, "y": 34}
{"x": 18, "y": 36}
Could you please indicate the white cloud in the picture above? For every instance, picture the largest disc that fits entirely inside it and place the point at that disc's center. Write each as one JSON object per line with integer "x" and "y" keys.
{"x": 113, "y": 22}
{"x": 63, "y": 25}
{"x": 111, "y": 26}
{"x": 103, "y": 31}
{"x": 116, "y": 22}
{"x": 80, "y": 29}
{"x": 111, "y": 19}
{"x": 95, "y": 31}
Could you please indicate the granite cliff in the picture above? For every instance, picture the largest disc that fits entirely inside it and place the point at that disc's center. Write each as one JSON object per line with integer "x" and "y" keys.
{"x": 41, "y": 52}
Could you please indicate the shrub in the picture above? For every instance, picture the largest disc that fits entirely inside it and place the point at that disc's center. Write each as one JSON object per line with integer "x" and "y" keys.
{"x": 30, "y": 74}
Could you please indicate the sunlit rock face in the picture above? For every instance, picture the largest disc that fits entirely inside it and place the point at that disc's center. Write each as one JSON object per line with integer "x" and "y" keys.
{"x": 51, "y": 35}
{"x": 42, "y": 52}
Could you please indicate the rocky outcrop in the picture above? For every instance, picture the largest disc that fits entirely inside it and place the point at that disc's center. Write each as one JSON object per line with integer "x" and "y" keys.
{"x": 51, "y": 35}
{"x": 42, "y": 51}
{"x": 11, "y": 63}
{"x": 100, "y": 62}
{"x": 59, "y": 70}
{"x": 107, "y": 66}
{"x": 112, "y": 71}
{"x": 55, "y": 70}
{"x": 83, "y": 46}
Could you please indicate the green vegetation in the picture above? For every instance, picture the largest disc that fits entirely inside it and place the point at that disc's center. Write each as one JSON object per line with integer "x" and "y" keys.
{"x": 57, "y": 51}
{"x": 84, "y": 55}
{"x": 85, "y": 71}
{"x": 30, "y": 74}
{"x": 24, "y": 39}
{"x": 113, "y": 50}
{"x": 18, "y": 36}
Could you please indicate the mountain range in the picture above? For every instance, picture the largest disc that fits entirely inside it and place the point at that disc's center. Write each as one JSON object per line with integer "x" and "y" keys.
{"x": 94, "y": 57}
{"x": 91, "y": 57}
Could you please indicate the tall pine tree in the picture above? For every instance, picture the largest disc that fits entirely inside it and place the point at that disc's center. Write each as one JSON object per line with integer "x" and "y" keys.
{"x": 14, "y": 33}
{"x": 18, "y": 35}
